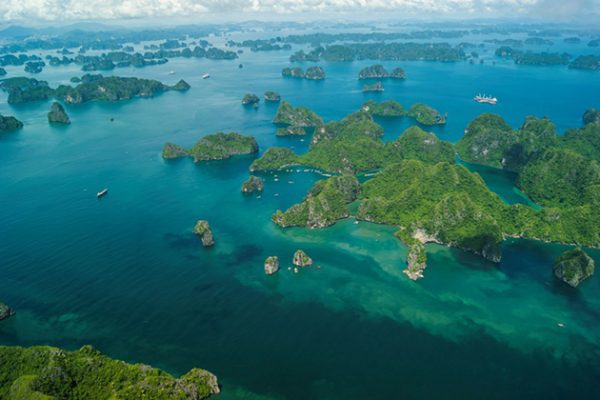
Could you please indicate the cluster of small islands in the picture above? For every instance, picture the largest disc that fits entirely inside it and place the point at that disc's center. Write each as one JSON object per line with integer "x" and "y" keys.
{"x": 416, "y": 183}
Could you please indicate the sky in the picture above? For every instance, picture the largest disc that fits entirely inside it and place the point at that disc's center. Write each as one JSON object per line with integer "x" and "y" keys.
{"x": 60, "y": 11}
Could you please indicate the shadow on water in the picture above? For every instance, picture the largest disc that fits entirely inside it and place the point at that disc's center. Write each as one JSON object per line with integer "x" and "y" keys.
{"x": 243, "y": 254}
{"x": 182, "y": 241}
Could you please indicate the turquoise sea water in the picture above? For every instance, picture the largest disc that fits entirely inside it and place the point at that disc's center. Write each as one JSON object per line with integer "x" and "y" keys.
{"x": 126, "y": 275}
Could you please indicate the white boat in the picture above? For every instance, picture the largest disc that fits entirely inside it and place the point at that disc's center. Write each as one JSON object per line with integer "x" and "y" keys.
{"x": 485, "y": 99}
{"x": 171, "y": 72}
{"x": 101, "y": 193}
{"x": 206, "y": 76}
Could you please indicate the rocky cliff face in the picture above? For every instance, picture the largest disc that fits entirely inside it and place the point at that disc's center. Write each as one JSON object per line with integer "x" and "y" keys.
{"x": 5, "y": 311}
{"x": 271, "y": 265}
{"x": 301, "y": 259}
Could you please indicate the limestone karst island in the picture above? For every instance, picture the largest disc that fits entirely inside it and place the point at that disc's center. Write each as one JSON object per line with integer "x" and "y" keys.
{"x": 328, "y": 200}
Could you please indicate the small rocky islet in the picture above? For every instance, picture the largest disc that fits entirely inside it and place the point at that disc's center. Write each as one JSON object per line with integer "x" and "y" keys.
{"x": 58, "y": 115}
{"x": 573, "y": 267}
{"x": 271, "y": 265}
{"x": 9, "y": 124}
{"x": 250, "y": 99}
{"x": 375, "y": 87}
{"x": 272, "y": 96}
{"x": 301, "y": 259}
{"x": 202, "y": 229}
{"x": 253, "y": 184}
{"x": 5, "y": 311}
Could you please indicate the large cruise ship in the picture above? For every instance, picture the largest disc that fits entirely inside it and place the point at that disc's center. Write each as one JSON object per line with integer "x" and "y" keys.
{"x": 485, "y": 99}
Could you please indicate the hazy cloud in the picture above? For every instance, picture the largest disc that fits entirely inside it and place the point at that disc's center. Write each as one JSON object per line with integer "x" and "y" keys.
{"x": 72, "y": 10}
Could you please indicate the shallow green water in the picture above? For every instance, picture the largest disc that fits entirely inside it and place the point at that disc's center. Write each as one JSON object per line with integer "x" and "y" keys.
{"x": 126, "y": 275}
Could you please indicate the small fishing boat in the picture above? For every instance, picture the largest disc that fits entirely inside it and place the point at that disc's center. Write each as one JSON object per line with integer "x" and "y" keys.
{"x": 206, "y": 76}
{"x": 102, "y": 193}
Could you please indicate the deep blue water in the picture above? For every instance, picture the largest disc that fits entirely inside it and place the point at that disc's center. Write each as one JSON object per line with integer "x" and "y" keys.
{"x": 126, "y": 275}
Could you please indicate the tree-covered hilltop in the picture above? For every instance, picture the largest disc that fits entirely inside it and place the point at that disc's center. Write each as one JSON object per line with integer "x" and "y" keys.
{"x": 553, "y": 170}
{"x": 326, "y": 202}
{"x": 9, "y": 123}
{"x": 91, "y": 87}
{"x": 292, "y": 72}
{"x": 250, "y": 99}
{"x": 296, "y": 116}
{"x": 388, "y": 108}
{"x": 441, "y": 202}
{"x": 423, "y": 113}
{"x": 354, "y": 145}
{"x": 273, "y": 159}
{"x": 46, "y": 373}
{"x": 58, "y": 115}
{"x": 377, "y": 71}
{"x": 489, "y": 140}
{"x": 314, "y": 73}
{"x": 561, "y": 177}
{"x": 25, "y": 90}
{"x": 217, "y": 146}
{"x": 426, "y": 115}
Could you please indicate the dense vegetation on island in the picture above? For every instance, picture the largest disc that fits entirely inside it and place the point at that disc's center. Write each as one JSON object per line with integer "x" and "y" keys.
{"x": 217, "y": 146}
{"x": 326, "y": 202}
{"x": 58, "y": 115}
{"x": 590, "y": 62}
{"x": 203, "y": 231}
{"x": 573, "y": 267}
{"x": 377, "y": 71}
{"x": 354, "y": 145}
{"x": 553, "y": 170}
{"x": 532, "y": 58}
{"x": 46, "y": 373}
{"x": 296, "y": 116}
{"x": 9, "y": 123}
{"x": 90, "y": 88}
{"x": 429, "y": 198}
{"x": 424, "y": 114}
{"x": 312, "y": 73}
{"x": 382, "y": 51}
